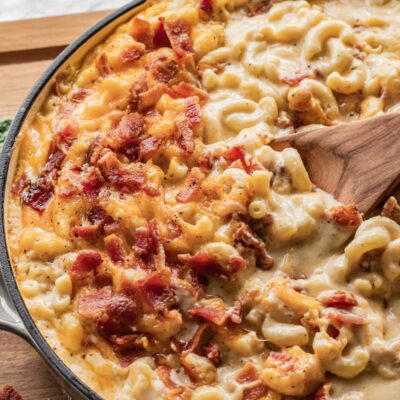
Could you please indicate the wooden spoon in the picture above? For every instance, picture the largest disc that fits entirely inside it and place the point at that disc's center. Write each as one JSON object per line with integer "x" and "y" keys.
{"x": 357, "y": 162}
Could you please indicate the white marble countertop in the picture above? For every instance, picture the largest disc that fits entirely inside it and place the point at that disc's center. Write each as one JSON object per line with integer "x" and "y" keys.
{"x": 21, "y": 9}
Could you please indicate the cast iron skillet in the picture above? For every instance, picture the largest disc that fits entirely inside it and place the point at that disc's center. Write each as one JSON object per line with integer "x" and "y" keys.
{"x": 14, "y": 316}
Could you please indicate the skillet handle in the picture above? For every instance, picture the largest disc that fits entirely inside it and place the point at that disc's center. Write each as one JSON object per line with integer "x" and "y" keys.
{"x": 9, "y": 318}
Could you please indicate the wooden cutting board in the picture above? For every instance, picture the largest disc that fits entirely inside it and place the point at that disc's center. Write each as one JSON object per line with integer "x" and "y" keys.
{"x": 26, "y": 50}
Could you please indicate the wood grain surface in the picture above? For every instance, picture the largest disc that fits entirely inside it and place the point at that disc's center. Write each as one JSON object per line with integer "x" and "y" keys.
{"x": 26, "y": 49}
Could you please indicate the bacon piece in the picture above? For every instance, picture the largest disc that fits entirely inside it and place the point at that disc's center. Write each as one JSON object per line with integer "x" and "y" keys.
{"x": 212, "y": 352}
{"x": 340, "y": 299}
{"x": 258, "y": 7}
{"x": 186, "y": 136}
{"x": 139, "y": 86}
{"x": 294, "y": 80}
{"x": 214, "y": 314}
{"x": 79, "y": 95}
{"x": 102, "y": 65}
{"x": 346, "y": 216}
{"x": 19, "y": 186}
{"x": 117, "y": 175}
{"x": 391, "y": 210}
{"x": 150, "y": 97}
{"x": 178, "y": 33}
{"x": 146, "y": 242}
{"x": 184, "y": 90}
{"x": 130, "y": 129}
{"x": 194, "y": 343}
{"x": 85, "y": 264}
{"x": 345, "y": 317}
{"x": 127, "y": 343}
{"x": 132, "y": 53}
{"x": 206, "y": 6}
{"x": 142, "y": 32}
{"x": 192, "y": 186}
{"x": 236, "y": 312}
{"x": 323, "y": 392}
{"x": 205, "y": 263}
{"x": 87, "y": 232}
{"x": 192, "y": 110}
{"x": 92, "y": 183}
{"x": 163, "y": 65}
{"x": 164, "y": 374}
{"x": 38, "y": 194}
{"x": 148, "y": 147}
{"x": 92, "y": 305}
{"x": 66, "y": 135}
{"x": 157, "y": 291}
{"x": 160, "y": 35}
{"x": 54, "y": 161}
{"x": 115, "y": 249}
{"x": 256, "y": 392}
{"x": 244, "y": 235}
{"x": 236, "y": 153}
{"x": 7, "y": 392}
{"x": 247, "y": 374}
{"x": 205, "y": 162}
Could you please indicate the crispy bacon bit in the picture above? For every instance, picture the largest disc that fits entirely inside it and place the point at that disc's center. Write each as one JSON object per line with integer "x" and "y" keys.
{"x": 115, "y": 248}
{"x": 192, "y": 186}
{"x": 19, "y": 186}
{"x": 192, "y": 110}
{"x": 163, "y": 65}
{"x": 7, "y": 392}
{"x": 160, "y": 35}
{"x": 345, "y": 317}
{"x": 157, "y": 291}
{"x": 115, "y": 173}
{"x": 85, "y": 264}
{"x": 92, "y": 305}
{"x": 150, "y": 97}
{"x": 391, "y": 210}
{"x": 139, "y": 86}
{"x": 340, "y": 299}
{"x": 38, "y": 194}
{"x": 130, "y": 129}
{"x": 54, "y": 161}
{"x": 323, "y": 392}
{"x": 193, "y": 344}
{"x": 206, "y": 6}
{"x": 346, "y": 216}
{"x": 247, "y": 374}
{"x": 258, "y": 7}
{"x": 92, "y": 183}
{"x": 178, "y": 33}
{"x": 184, "y": 90}
{"x": 86, "y": 232}
{"x": 151, "y": 191}
{"x": 148, "y": 147}
{"x": 214, "y": 313}
{"x": 211, "y": 351}
{"x": 102, "y": 65}
{"x": 164, "y": 374}
{"x": 236, "y": 312}
{"x": 244, "y": 236}
{"x": 66, "y": 135}
{"x": 132, "y": 53}
{"x": 294, "y": 80}
{"x": 79, "y": 95}
{"x": 186, "y": 136}
{"x": 142, "y": 32}
{"x": 146, "y": 243}
{"x": 205, "y": 162}
{"x": 238, "y": 153}
{"x": 127, "y": 343}
{"x": 205, "y": 263}
{"x": 256, "y": 392}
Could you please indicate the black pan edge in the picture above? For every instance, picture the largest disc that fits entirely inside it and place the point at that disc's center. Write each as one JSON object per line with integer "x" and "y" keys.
{"x": 6, "y": 269}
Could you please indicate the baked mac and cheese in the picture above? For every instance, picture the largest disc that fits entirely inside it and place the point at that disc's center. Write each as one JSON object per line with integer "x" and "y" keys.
{"x": 166, "y": 250}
